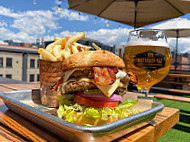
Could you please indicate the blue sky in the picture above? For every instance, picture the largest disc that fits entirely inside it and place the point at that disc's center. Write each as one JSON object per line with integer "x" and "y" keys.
{"x": 24, "y": 21}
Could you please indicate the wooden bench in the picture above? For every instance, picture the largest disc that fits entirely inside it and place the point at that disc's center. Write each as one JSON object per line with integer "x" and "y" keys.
{"x": 176, "y": 91}
{"x": 179, "y": 75}
{"x": 179, "y": 72}
{"x": 170, "y": 97}
{"x": 176, "y": 81}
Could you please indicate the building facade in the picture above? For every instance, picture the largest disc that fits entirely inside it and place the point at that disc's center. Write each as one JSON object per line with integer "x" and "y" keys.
{"x": 19, "y": 62}
{"x": 119, "y": 50}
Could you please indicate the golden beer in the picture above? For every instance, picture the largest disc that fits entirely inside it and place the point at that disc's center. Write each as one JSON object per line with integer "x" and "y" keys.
{"x": 150, "y": 63}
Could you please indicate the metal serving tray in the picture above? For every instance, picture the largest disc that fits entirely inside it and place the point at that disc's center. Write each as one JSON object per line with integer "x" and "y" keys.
{"x": 21, "y": 103}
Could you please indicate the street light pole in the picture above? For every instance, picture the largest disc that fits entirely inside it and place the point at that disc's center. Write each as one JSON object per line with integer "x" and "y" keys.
{"x": 176, "y": 50}
{"x": 135, "y": 17}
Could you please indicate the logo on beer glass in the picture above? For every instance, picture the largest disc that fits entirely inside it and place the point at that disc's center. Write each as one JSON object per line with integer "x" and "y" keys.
{"x": 149, "y": 60}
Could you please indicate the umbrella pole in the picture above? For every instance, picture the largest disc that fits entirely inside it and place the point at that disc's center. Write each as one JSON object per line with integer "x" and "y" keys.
{"x": 135, "y": 18}
{"x": 176, "y": 50}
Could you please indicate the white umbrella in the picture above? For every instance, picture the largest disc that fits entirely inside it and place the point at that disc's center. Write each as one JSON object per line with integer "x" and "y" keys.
{"x": 175, "y": 28}
{"x": 179, "y": 27}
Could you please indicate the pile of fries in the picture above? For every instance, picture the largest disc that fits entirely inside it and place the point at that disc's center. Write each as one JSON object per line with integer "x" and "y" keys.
{"x": 62, "y": 48}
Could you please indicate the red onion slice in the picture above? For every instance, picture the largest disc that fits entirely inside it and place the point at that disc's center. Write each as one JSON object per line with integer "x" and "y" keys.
{"x": 101, "y": 97}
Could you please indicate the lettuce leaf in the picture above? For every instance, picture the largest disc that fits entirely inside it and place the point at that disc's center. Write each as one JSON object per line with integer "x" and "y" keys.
{"x": 128, "y": 103}
{"x": 66, "y": 99}
{"x": 92, "y": 112}
{"x": 60, "y": 111}
{"x": 72, "y": 111}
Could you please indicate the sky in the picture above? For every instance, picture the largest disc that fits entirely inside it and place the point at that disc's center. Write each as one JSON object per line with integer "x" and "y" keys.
{"x": 28, "y": 20}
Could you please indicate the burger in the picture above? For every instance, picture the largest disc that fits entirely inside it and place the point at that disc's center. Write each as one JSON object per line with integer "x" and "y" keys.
{"x": 92, "y": 88}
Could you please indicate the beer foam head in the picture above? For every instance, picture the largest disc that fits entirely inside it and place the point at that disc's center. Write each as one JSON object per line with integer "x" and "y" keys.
{"x": 138, "y": 42}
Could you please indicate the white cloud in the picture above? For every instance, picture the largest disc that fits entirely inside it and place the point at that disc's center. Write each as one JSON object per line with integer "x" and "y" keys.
{"x": 35, "y": 22}
{"x": 70, "y": 15}
{"x": 19, "y": 37}
{"x": 39, "y": 22}
{"x": 3, "y": 23}
{"x": 58, "y": 2}
{"x": 109, "y": 36}
{"x": 106, "y": 36}
{"x": 183, "y": 44}
{"x": 8, "y": 12}
{"x": 187, "y": 50}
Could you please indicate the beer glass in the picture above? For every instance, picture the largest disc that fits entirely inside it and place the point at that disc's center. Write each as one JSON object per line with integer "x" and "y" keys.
{"x": 147, "y": 54}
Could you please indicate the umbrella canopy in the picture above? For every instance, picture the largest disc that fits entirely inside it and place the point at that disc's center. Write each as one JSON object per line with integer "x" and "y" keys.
{"x": 175, "y": 28}
{"x": 179, "y": 27}
{"x": 136, "y": 13}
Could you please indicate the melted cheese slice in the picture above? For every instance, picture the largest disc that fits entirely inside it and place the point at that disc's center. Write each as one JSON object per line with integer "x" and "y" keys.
{"x": 68, "y": 73}
{"x": 106, "y": 90}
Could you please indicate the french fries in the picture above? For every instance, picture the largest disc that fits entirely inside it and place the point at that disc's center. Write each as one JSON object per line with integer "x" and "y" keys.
{"x": 61, "y": 41}
{"x": 57, "y": 52}
{"x": 74, "y": 39}
{"x": 96, "y": 46}
{"x": 74, "y": 49}
{"x": 62, "y": 48}
{"x": 56, "y": 38}
{"x": 65, "y": 53}
{"x": 46, "y": 55}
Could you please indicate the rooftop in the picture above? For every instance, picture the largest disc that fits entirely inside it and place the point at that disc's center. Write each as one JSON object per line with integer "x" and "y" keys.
{"x": 13, "y": 48}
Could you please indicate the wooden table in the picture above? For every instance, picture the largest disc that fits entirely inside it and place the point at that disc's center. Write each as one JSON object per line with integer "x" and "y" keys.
{"x": 179, "y": 75}
{"x": 15, "y": 128}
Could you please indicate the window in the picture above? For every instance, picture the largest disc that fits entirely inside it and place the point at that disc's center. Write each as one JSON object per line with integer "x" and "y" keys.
{"x": 38, "y": 63}
{"x": 32, "y": 63}
{"x": 8, "y": 76}
{"x": 1, "y": 75}
{"x": 8, "y": 62}
{"x": 31, "y": 77}
{"x": 1, "y": 62}
{"x": 38, "y": 77}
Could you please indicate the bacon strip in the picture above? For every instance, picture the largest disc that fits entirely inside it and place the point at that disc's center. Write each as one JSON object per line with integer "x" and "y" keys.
{"x": 133, "y": 77}
{"x": 104, "y": 76}
{"x": 56, "y": 84}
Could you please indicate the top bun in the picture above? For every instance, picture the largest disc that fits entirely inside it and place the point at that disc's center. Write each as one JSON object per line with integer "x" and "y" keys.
{"x": 98, "y": 58}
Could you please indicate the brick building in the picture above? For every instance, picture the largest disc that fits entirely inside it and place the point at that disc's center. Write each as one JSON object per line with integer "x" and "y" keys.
{"x": 19, "y": 62}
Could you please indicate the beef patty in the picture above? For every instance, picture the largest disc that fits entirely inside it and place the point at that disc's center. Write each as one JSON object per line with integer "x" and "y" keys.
{"x": 83, "y": 73}
{"x": 76, "y": 86}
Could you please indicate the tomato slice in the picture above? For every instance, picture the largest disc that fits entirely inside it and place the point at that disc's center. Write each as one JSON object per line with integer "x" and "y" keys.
{"x": 84, "y": 101}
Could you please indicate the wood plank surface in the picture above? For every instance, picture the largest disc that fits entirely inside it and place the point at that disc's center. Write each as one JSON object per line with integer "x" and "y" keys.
{"x": 15, "y": 128}
{"x": 164, "y": 121}
{"x": 24, "y": 129}
{"x": 2, "y": 88}
{"x": 145, "y": 134}
{"x": 171, "y": 97}
{"x": 177, "y": 83}
{"x": 29, "y": 131}
{"x": 179, "y": 75}
{"x": 171, "y": 90}
{"x": 20, "y": 86}
{"x": 8, "y": 136}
